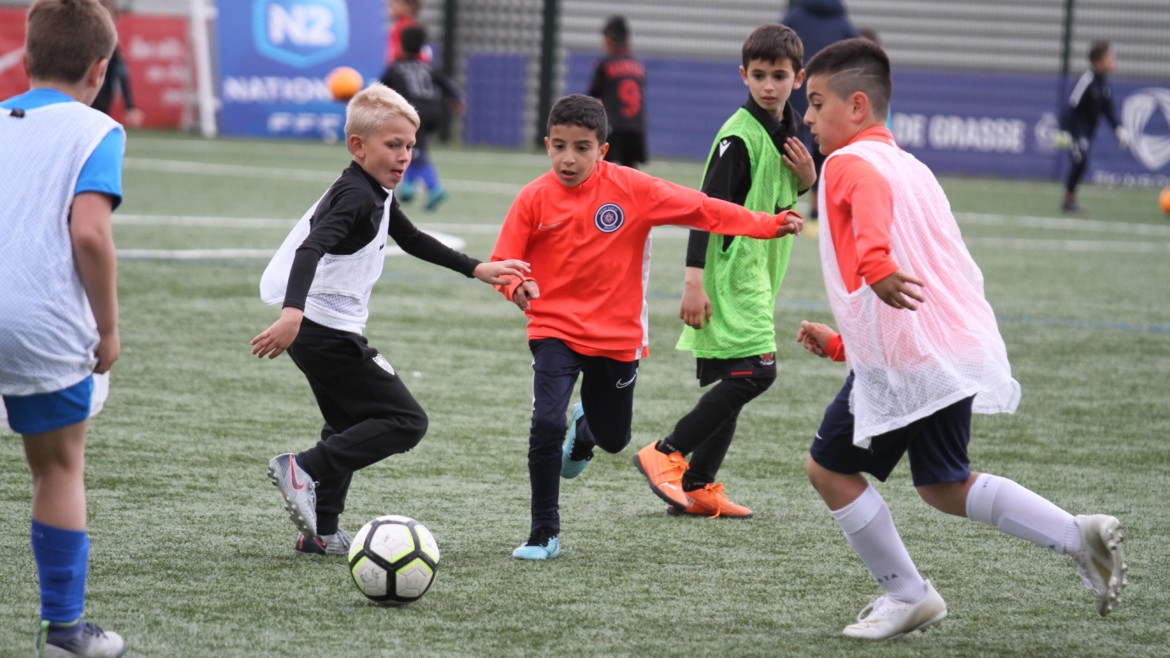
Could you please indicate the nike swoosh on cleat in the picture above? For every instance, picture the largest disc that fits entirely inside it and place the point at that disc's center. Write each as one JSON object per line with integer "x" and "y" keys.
{"x": 296, "y": 484}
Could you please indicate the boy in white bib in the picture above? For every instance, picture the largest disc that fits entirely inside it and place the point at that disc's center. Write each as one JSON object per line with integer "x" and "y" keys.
{"x": 60, "y": 180}
{"x": 322, "y": 277}
{"x": 924, "y": 352}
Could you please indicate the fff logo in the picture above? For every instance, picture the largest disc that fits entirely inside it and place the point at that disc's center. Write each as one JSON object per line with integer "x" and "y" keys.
{"x": 300, "y": 33}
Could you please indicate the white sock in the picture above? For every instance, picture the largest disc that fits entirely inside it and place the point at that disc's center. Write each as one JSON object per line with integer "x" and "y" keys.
{"x": 869, "y": 528}
{"x": 1022, "y": 513}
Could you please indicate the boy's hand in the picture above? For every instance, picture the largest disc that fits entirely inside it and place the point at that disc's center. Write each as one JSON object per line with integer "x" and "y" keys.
{"x": 525, "y": 293}
{"x": 696, "y": 305}
{"x": 274, "y": 340}
{"x": 108, "y": 350}
{"x": 814, "y": 336}
{"x": 895, "y": 290}
{"x": 793, "y": 223}
{"x": 799, "y": 160}
{"x": 496, "y": 271}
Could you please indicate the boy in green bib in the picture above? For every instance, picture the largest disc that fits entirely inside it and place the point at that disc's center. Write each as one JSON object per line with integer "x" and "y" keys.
{"x": 731, "y": 283}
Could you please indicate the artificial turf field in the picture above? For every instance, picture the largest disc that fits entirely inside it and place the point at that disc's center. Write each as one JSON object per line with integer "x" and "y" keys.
{"x": 192, "y": 552}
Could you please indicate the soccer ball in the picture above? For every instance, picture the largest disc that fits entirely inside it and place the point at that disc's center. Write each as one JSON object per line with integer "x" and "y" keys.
{"x": 1164, "y": 200}
{"x": 393, "y": 560}
{"x": 344, "y": 82}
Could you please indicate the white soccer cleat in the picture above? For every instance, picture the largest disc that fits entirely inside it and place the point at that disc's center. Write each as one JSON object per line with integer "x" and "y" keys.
{"x": 1100, "y": 561}
{"x": 890, "y": 619}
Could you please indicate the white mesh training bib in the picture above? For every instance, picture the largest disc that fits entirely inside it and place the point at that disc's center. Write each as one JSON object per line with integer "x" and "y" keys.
{"x": 340, "y": 294}
{"x": 910, "y": 364}
{"x": 47, "y": 330}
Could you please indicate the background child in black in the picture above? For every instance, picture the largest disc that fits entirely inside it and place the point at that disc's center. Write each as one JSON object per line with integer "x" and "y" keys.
{"x": 619, "y": 81}
{"x": 1090, "y": 99}
{"x": 426, "y": 89}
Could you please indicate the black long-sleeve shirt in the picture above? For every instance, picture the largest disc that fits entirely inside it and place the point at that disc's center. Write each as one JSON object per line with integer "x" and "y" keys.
{"x": 1090, "y": 98}
{"x": 347, "y": 218}
{"x": 729, "y": 172}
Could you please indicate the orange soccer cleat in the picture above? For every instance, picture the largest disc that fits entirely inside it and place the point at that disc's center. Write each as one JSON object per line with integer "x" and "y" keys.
{"x": 712, "y": 501}
{"x": 664, "y": 473}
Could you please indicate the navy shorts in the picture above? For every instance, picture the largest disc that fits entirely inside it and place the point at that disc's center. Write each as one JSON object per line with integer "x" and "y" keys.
{"x": 937, "y": 444}
{"x": 45, "y": 412}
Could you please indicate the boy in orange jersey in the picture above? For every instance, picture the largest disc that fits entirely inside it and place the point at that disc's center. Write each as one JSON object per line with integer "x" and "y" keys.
{"x": 585, "y": 226}
{"x": 924, "y": 352}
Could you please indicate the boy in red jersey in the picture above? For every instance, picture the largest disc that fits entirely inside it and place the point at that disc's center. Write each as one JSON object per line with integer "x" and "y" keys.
{"x": 924, "y": 353}
{"x": 584, "y": 227}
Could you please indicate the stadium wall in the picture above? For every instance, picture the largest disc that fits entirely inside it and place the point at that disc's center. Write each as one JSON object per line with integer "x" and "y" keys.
{"x": 978, "y": 84}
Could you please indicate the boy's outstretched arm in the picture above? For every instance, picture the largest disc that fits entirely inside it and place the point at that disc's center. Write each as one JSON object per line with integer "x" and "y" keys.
{"x": 275, "y": 340}
{"x": 663, "y": 202}
{"x": 895, "y": 290}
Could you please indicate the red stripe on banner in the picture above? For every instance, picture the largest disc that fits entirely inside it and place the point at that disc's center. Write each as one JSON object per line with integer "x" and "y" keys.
{"x": 13, "y": 81}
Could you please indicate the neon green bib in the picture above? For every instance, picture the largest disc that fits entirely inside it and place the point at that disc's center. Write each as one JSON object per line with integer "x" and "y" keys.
{"x": 743, "y": 280}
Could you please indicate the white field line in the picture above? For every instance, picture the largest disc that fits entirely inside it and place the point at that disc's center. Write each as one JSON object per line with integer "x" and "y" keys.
{"x": 305, "y": 175}
{"x": 1065, "y": 224}
{"x": 238, "y": 254}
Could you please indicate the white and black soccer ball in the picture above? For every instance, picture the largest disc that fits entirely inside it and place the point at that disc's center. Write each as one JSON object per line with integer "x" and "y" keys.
{"x": 393, "y": 560}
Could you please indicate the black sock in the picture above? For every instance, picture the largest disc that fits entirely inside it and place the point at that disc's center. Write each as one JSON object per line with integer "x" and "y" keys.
{"x": 665, "y": 448}
{"x": 540, "y": 536}
{"x": 581, "y": 451}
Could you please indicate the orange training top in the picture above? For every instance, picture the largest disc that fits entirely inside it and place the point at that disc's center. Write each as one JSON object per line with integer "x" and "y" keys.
{"x": 859, "y": 210}
{"x": 589, "y": 249}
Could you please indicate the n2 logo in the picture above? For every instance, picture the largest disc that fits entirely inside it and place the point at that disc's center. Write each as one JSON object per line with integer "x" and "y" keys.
{"x": 300, "y": 33}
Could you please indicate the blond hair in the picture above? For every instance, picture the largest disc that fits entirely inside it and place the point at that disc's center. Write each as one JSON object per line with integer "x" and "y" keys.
{"x": 373, "y": 106}
{"x": 63, "y": 38}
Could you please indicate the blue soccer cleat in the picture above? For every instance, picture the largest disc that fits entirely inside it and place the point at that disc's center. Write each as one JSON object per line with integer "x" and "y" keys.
{"x": 404, "y": 192}
{"x": 530, "y": 550}
{"x": 435, "y": 198}
{"x": 571, "y": 468}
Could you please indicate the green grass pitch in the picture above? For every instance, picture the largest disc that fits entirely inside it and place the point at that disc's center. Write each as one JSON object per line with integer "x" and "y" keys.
{"x": 192, "y": 553}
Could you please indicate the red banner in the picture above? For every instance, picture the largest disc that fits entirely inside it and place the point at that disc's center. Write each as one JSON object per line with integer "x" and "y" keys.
{"x": 156, "y": 51}
{"x": 12, "y": 78}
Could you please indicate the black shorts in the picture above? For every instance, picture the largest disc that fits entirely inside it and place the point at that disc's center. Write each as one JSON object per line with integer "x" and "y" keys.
{"x": 762, "y": 366}
{"x": 937, "y": 444}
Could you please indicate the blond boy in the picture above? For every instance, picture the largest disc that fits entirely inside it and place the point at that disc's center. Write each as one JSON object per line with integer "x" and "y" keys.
{"x": 323, "y": 276}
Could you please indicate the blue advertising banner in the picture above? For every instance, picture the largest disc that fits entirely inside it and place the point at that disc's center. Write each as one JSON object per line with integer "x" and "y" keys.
{"x": 1005, "y": 125}
{"x": 274, "y": 56}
